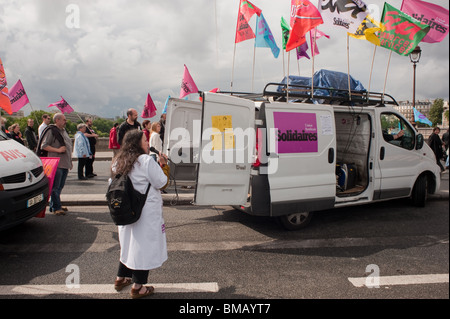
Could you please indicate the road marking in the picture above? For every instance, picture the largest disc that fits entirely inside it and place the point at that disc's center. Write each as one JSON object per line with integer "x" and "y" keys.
{"x": 400, "y": 280}
{"x": 206, "y": 287}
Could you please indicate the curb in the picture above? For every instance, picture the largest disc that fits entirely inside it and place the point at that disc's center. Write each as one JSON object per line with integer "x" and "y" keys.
{"x": 99, "y": 199}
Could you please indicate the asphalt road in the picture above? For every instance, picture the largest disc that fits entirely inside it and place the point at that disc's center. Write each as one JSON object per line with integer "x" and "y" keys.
{"x": 219, "y": 256}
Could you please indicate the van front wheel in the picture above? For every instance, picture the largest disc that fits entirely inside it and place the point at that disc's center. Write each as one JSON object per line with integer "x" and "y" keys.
{"x": 419, "y": 193}
{"x": 295, "y": 221}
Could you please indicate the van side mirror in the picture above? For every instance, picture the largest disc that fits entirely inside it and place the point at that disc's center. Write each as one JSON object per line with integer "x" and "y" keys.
{"x": 419, "y": 143}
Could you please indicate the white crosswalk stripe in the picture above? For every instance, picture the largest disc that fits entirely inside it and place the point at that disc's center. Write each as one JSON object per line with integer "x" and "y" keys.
{"x": 399, "y": 280}
{"x": 8, "y": 290}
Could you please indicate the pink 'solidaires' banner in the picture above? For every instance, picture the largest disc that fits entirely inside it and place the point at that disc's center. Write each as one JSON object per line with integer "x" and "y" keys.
{"x": 297, "y": 132}
{"x": 50, "y": 165}
{"x": 63, "y": 106}
{"x": 149, "y": 108}
{"x": 435, "y": 16}
{"x": 18, "y": 96}
{"x": 187, "y": 84}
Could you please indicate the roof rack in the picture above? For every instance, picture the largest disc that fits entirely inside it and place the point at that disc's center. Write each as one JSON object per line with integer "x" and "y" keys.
{"x": 302, "y": 93}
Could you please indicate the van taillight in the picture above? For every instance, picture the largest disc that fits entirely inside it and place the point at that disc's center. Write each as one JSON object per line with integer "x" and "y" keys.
{"x": 257, "y": 163}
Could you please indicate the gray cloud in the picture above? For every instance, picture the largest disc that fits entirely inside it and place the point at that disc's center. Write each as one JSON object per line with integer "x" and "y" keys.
{"x": 126, "y": 49}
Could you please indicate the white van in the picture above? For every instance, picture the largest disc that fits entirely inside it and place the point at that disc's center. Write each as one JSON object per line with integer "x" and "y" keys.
{"x": 269, "y": 157}
{"x": 23, "y": 183}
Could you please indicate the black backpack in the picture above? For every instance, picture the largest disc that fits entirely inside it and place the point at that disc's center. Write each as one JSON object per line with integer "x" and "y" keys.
{"x": 124, "y": 202}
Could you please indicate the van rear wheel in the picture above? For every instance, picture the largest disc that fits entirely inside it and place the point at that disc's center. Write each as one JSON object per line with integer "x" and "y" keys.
{"x": 295, "y": 221}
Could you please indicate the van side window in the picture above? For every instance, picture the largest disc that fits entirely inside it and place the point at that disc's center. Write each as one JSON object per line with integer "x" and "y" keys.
{"x": 397, "y": 131}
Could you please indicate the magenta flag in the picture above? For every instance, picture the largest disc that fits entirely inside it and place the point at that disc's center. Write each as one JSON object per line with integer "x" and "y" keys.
{"x": 435, "y": 16}
{"x": 302, "y": 51}
{"x": 187, "y": 84}
{"x": 18, "y": 96}
{"x": 149, "y": 108}
{"x": 63, "y": 106}
{"x": 317, "y": 34}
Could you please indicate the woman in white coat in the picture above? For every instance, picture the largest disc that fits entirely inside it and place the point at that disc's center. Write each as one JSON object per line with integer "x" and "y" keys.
{"x": 143, "y": 243}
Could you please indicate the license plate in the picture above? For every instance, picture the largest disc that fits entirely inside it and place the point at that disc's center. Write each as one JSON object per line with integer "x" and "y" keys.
{"x": 34, "y": 200}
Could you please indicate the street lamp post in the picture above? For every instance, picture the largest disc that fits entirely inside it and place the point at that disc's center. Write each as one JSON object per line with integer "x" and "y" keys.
{"x": 414, "y": 56}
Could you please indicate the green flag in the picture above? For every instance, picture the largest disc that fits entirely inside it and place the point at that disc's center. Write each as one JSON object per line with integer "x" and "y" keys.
{"x": 285, "y": 28}
{"x": 403, "y": 33}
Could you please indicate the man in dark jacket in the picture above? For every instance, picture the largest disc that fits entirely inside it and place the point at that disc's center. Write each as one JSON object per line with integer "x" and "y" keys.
{"x": 92, "y": 137}
{"x": 436, "y": 144}
{"x": 130, "y": 124}
{"x": 30, "y": 135}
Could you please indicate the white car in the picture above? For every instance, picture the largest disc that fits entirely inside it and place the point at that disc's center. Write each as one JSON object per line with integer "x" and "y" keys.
{"x": 23, "y": 184}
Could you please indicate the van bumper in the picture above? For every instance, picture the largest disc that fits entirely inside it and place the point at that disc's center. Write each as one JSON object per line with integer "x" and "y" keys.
{"x": 13, "y": 204}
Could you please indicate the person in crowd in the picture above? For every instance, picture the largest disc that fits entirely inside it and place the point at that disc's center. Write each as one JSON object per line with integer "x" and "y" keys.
{"x": 146, "y": 127}
{"x": 445, "y": 139}
{"x": 30, "y": 135}
{"x": 14, "y": 132}
{"x": 129, "y": 124}
{"x": 113, "y": 143}
{"x": 162, "y": 122}
{"x": 81, "y": 149}
{"x": 3, "y": 126}
{"x": 92, "y": 137}
{"x": 142, "y": 244}
{"x": 57, "y": 143}
{"x": 436, "y": 145}
{"x": 46, "y": 119}
{"x": 155, "y": 140}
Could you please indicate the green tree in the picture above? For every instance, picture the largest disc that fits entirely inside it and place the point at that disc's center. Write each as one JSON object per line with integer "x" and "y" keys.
{"x": 436, "y": 111}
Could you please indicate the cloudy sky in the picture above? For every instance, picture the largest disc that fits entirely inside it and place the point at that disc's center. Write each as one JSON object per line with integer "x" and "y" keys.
{"x": 106, "y": 59}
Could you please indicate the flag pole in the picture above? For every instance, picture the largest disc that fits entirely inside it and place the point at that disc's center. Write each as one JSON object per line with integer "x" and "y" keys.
{"x": 371, "y": 69}
{"x": 32, "y": 110}
{"x": 387, "y": 69}
{"x": 253, "y": 71}
{"x": 313, "y": 54}
{"x": 232, "y": 68}
{"x": 348, "y": 67}
{"x": 287, "y": 79}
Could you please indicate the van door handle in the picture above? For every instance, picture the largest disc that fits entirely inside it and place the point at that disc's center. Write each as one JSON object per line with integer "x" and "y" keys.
{"x": 331, "y": 155}
{"x": 382, "y": 153}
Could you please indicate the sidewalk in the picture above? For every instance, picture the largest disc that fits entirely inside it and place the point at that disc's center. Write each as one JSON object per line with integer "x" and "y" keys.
{"x": 92, "y": 192}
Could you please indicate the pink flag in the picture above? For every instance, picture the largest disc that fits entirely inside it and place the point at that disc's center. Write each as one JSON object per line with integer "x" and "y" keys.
{"x": 63, "y": 106}
{"x": 316, "y": 34}
{"x": 433, "y": 15}
{"x": 50, "y": 165}
{"x": 149, "y": 108}
{"x": 18, "y": 96}
{"x": 187, "y": 85}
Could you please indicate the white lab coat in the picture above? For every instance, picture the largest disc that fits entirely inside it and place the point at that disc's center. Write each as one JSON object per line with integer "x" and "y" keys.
{"x": 143, "y": 244}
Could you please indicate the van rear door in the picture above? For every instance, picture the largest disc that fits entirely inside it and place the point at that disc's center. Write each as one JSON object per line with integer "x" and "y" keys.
{"x": 302, "y": 152}
{"x": 182, "y": 138}
{"x": 227, "y": 150}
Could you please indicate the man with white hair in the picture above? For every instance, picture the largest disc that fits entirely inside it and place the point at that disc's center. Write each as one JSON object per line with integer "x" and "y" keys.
{"x": 57, "y": 143}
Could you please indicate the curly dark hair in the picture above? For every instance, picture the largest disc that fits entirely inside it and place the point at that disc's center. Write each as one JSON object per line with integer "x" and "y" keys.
{"x": 129, "y": 152}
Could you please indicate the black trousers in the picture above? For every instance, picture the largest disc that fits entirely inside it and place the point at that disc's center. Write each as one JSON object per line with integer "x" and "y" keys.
{"x": 82, "y": 161}
{"x": 138, "y": 276}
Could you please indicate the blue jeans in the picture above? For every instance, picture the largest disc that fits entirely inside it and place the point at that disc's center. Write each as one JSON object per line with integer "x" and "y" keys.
{"x": 58, "y": 185}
